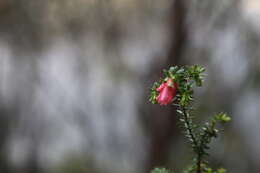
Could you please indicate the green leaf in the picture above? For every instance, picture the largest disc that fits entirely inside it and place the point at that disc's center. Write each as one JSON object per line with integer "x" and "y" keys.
{"x": 180, "y": 71}
{"x": 173, "y": 69}
{"x": 222, "y": 117}
{"x": 221, "y": 170}
{"x": 161, "y": 170}
{"x": 179, "y": 111}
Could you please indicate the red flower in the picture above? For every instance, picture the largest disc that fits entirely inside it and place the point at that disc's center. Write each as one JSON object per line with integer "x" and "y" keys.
{"x": 167, "y": 91}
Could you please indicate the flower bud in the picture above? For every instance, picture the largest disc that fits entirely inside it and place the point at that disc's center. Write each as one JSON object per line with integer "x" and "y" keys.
{"x": 167, "y": 92}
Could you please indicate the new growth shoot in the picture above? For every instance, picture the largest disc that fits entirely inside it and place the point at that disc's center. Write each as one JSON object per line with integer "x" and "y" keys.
{"x": 176, "y": 88}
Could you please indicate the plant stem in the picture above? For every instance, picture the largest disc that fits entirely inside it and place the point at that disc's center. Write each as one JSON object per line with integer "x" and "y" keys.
{"x": 189, "y": 127}
{"x": 198, "y": 163}
{"x": 190, "y": 132}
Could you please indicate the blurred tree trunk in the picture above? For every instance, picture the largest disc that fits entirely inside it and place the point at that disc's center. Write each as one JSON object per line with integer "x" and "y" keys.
{"x": 163, "y": 119}
{"x": 32, "y": 164}
{"x": 4, "y": 134}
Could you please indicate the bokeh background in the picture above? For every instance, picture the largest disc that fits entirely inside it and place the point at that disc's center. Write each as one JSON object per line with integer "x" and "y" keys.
{"x": 75, "y": 78}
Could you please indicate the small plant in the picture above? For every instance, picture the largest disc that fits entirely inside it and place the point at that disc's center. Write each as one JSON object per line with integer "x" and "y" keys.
{"x": 176, "y": 88}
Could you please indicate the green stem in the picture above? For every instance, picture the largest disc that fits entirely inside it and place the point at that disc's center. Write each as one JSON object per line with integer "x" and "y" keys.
{"x": 195, "y": 144}
{"x": 198, "y": 163}
{"x": 188, "y": 127}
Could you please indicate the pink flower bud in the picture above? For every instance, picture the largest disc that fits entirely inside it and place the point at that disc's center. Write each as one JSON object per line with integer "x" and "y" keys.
{"x": 167, "y": 92}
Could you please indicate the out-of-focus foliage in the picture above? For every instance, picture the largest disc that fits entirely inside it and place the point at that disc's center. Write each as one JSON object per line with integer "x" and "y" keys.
{"x": 161, "y": 170}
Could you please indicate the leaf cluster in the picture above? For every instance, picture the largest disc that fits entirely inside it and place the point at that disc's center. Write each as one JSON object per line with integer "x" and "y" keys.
{"x": 161, "y": 170}
{"x": 209, "y": 170}
{"x": 154, "y": 93}
{"x": 186, "y": 77}
{"x": 209, "y": 131}
{"x": 205, "y": 169}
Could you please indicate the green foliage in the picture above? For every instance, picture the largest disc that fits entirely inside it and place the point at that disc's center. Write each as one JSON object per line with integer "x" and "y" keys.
{"x": 221, "y": 170}
{"x": 198, "y": 136}
{"x": 210, "y": 170}
{"x": 210, "y": 131}
{"x": 190, "y": 169}
{"x": 186, "y": 77}
{"x": 154, "y": 93}
{"x": 160, "y": 170}
{"x": 222, "y": 117}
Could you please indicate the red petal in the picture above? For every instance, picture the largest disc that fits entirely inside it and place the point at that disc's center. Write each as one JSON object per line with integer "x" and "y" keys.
{"x": 159, "y": 89}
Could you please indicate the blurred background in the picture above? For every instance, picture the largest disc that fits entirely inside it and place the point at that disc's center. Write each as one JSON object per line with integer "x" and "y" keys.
{"x": 75, "y": 78}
